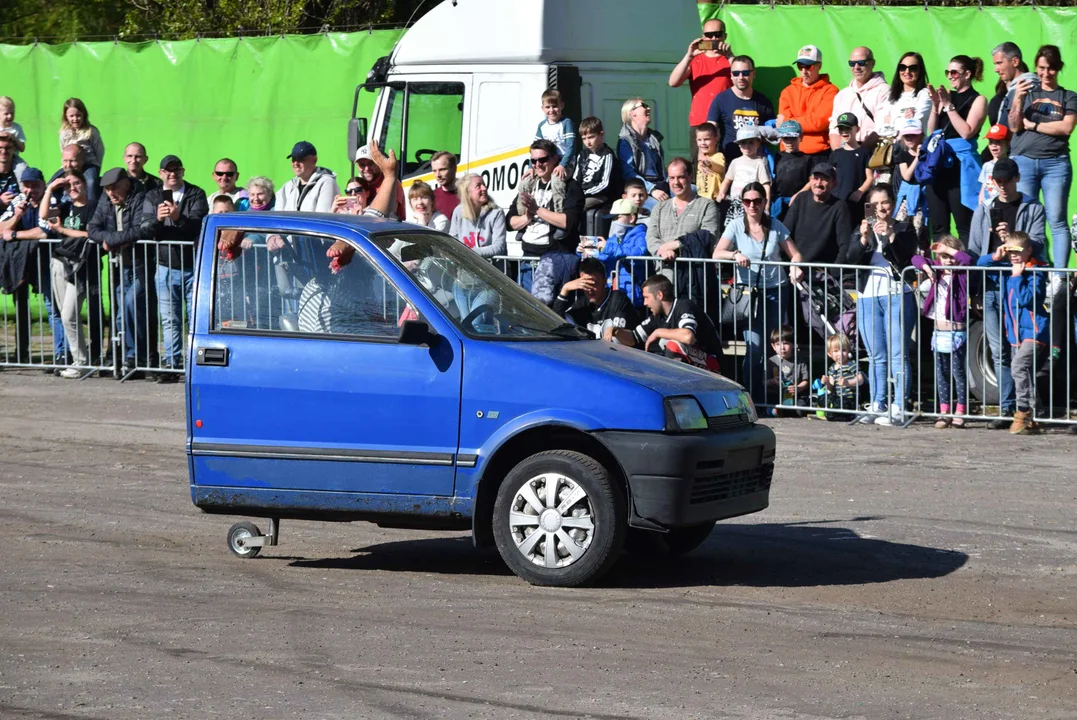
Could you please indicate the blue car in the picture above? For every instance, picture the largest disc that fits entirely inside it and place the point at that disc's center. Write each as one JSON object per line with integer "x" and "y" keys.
{"x": 343, "y": 368}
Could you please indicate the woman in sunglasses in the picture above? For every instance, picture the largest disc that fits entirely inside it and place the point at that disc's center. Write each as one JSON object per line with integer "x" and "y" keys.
{"x": 640, "y": 151}
{"x": 909, "y": 97}
{"x": 747, "y": 242}
{"x": 959, "y": 112}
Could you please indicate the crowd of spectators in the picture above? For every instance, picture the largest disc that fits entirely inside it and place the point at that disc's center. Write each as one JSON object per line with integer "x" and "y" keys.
{"x": 874, "y": 175}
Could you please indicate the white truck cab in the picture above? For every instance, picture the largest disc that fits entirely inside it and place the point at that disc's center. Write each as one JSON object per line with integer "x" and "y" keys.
{"x": 469, "y": 75}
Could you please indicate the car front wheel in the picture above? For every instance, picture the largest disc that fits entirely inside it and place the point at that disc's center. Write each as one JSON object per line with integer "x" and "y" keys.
{"x": 559, "y": 520}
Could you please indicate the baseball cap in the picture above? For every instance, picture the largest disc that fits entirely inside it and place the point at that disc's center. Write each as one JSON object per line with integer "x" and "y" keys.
{"x": 624, "y": 206}
{"x": 824, "y": 169}
{"x": 1005, "y": 170}
{"x": 911, "y": 127}
{"x": 302, "y": 149}
{"x": 363, "y": 153}
{"x": 113, "y": 176}
{"x": 31, "y": 174}
{"x": 809, "y": 55}
{"x": 790, "y": 129}
{"x": 170, "y": 160}
{"x": 750, "y": 132}
{"x": 998, "y": 132}
{"x": 847, "y": 119}
{"x": 1013, "y": 247}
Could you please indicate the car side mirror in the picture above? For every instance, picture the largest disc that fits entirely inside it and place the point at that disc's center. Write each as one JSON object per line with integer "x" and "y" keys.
{"x": 416, "y": 332}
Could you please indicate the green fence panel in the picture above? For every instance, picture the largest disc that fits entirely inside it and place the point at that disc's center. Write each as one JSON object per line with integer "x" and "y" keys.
{"x": 772, "y": 36}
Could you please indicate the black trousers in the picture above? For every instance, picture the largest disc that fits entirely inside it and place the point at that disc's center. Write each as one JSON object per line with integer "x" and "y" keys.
{"x": 944, "y": 202}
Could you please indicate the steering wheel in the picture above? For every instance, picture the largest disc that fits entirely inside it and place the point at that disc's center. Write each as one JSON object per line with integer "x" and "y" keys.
{"x": 471, "y": 316}
{"x": 427, "y": 152}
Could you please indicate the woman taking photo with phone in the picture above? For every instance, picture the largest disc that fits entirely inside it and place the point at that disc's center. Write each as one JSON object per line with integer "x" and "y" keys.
{"x": 885, "y": 307}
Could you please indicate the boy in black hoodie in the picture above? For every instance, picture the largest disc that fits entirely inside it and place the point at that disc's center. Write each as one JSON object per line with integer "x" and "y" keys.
{"x": 597, "y": 169}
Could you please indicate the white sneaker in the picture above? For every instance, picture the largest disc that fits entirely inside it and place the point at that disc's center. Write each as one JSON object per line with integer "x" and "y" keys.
{"x": 874, "y": 411}
{"x": 896, "y": 417}
{"x": 71, "y": 373}
{"x": 1053, "y": 288}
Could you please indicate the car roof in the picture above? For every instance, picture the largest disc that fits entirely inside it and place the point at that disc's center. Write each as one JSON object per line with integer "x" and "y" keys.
{"x": 366, "y": 225}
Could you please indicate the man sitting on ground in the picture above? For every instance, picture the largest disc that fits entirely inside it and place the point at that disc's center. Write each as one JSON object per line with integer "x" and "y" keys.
{"x": 589, "y": 302}
{"x": 675, "y": 327}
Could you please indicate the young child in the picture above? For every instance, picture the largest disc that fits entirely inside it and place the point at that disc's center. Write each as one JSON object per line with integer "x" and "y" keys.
{"x": 792, "y": 168}
{"x": 423, "y": 212}
{"x": 842, "y": 379}
{"x": 597, "y": 169}
{"x": 559, "y": 130}
{"x": 8, "y": 126}
{"x": 75, "y": 129}
{"x": 222, "y": 204}
{"x": 1027, "y": 327}
{"x": 911, "y": 200}
{"x": 636, "y": 193}
{"x": 627, "y": 238}
{"x": 947, "y": 303}
{"x": 998, "y": 144}
{"x": 710, "y": 164}
{"x": 851, "y": 162}
{"x": 751, "y": 166}
{"x": 787, "y": 380}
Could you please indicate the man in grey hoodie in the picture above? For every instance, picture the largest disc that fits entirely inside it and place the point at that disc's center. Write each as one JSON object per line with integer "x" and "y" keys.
{"x": 313, "y": 188}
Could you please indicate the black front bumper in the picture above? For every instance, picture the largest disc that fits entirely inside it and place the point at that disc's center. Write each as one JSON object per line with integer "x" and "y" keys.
{"x": 692, "y": 478}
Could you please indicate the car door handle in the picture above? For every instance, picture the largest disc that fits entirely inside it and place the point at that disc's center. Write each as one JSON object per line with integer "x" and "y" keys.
{"x": 212, "y": 356}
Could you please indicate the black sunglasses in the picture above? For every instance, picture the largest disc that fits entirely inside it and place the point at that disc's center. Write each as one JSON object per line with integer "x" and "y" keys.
{"x": 357, "y": 190}
{"x": 223, "y": 174}
{"x": 540, "y": 160}
{"x": 715, "y": 35}
{"x": 740, "y": 73}
{"x": 859, "y": 63}
{"x": 752, "y": 201}
{"x": 909, "y": 68}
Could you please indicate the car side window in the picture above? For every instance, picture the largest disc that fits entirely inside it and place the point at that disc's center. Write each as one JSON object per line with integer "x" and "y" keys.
{"x": 304, "y": 285}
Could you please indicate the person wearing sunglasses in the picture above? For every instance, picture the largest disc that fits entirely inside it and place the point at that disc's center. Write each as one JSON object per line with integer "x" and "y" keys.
{"x": 866, "y": 97}
{"x": 909, "y": 98}
{"x": 640, "y": 151}
{"x": 809, "y": 99}
{"x": 960, "y": 112}
{"x": 706, "y": 68}
{"x": 739, "y": 107}
{"x": 225, "y": 174}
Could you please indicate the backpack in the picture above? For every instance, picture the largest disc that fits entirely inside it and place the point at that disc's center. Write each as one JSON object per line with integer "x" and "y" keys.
{"x": 935, "y": 155}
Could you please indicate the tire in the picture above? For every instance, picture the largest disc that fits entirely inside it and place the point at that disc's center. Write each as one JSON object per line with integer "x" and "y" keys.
{"x": 656, "y": 545}
{"x": 982, "y": 381}
{"x": 240, "y": 532}
{"x": 570, "y": 545}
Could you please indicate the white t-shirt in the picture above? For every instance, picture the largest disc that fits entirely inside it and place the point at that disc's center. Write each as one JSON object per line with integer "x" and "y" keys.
{"x": 990, "y": 189}
{"x": 881, "y": 282}
{"x": 538, "y": 232}
{"x": 744, "y": 170}
{"x": 907, "y": 107}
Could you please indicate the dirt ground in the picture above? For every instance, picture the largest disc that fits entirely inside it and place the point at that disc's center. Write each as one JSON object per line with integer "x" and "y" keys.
{"x": 897, "y": 574}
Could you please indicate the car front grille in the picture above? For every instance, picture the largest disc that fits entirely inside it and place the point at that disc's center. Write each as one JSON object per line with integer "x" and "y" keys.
{"x": 725, "y": 422}
{"x": 726, "y": 486}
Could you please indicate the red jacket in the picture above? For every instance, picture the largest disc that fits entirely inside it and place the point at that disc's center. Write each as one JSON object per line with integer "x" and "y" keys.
{"x": 810, "y": 106}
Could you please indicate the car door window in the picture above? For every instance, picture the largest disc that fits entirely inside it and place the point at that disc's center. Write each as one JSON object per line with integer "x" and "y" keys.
{"x": 288, "y": 283}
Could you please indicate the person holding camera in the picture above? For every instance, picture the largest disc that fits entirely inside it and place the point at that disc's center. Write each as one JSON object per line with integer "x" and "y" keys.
{"x": 706, "y": 68}
{"x": 172, "y": 215}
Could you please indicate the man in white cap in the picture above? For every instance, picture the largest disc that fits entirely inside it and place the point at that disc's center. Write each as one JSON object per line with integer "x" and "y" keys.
{"x": 809, "y": 99}
{"x": 370, "y": 172}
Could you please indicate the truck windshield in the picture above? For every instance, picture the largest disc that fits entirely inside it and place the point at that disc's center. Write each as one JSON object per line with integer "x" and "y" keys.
{"x": 480, "y": 299}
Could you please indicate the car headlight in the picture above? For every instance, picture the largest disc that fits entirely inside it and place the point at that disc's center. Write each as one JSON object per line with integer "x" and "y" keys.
{"x": 684, "y": 414}
{"x": 749, "y": 407}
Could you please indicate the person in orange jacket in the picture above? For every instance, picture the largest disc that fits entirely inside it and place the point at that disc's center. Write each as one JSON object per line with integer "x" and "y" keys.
{"x": 809, "y": 99}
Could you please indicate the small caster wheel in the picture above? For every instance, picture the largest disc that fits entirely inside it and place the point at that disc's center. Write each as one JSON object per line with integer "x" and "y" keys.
{"x": 238, "y": 534}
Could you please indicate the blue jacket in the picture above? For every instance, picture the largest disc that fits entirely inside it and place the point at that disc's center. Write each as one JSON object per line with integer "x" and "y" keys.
{"x": 1024, "y": 296}
{"x": 629, "y": 244}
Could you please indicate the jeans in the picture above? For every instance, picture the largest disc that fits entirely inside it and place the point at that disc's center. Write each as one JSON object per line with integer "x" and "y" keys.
{"x": 766, "y": 317}
{"x": 885, "y": 324}
{"x": 1054, "y": 176}
{"x": 174, "y": 287}
{"x": 995, "y": 329}
{"x": 136, "y": 316}
{"x": 469, "y": 299}
{"x": 951, "y": 366}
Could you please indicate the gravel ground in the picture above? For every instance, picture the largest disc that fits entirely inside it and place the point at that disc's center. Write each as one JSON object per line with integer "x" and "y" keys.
{"x": 897, "y": 574}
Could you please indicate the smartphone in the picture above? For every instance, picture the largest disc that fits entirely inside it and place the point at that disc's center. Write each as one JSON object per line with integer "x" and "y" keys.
{"x": 351, "y": 203}
{"x": 869, "y": 211}
{"x": 167, "y": 194}
{"x": 708, "y": 45}
{"x": 996, "y": 217}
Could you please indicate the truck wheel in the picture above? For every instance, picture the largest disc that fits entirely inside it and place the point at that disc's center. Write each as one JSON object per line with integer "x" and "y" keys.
{"x": 983, "y": 384}
{"x": 237, "y": 534}
{"x": 559, "y": 520}
{"x": 653, "y": 545}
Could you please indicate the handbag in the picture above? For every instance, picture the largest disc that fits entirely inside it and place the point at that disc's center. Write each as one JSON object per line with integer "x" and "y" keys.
{"x": 882, "y": 156}
{"x": 741, "y": 302}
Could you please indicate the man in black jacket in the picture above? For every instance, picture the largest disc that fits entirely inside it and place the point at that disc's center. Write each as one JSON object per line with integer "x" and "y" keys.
{"x": 818, "y": 221}
{"x": 172, "y": 215}
{"x": 116, "y": 227}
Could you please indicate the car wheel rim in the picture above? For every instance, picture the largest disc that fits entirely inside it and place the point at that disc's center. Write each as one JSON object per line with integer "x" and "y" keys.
{"x": 551, "y": 521}
{"x": 237, "y": 541}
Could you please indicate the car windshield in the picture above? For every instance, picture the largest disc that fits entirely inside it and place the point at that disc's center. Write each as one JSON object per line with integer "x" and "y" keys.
{"x": 480, "y": 299}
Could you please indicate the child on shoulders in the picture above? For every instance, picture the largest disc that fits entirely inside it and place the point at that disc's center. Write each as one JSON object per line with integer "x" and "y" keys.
{"x": 559, "y": 130}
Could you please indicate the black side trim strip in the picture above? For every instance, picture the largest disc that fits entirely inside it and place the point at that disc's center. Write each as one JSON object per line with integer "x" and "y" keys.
{"x": 339, "y": 454}
{"x": 467, "y": 461}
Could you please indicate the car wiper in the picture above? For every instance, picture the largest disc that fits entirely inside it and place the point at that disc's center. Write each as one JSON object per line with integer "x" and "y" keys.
{"x": 564, "y": 330}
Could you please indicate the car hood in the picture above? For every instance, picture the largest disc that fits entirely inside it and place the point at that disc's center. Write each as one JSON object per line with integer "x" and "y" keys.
{"x": 717, "y": 394}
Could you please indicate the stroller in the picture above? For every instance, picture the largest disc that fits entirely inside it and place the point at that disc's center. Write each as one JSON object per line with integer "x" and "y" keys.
{"x": 829, "y": 305}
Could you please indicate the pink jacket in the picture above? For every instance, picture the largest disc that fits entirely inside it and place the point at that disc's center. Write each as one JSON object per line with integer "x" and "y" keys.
{"x": 874, "y": 96}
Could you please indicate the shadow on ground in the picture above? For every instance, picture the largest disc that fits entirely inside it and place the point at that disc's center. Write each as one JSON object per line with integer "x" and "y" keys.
{"x": 758, "y": 555}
